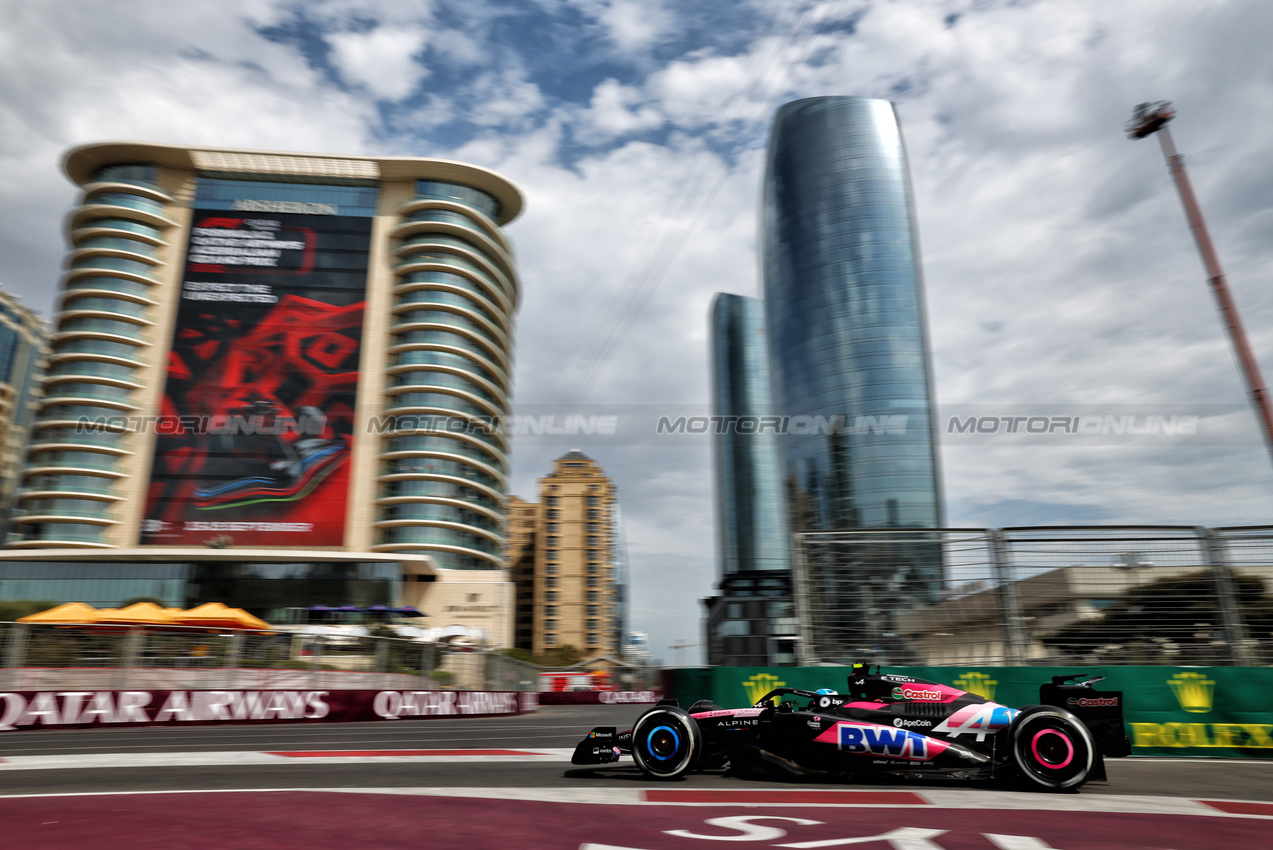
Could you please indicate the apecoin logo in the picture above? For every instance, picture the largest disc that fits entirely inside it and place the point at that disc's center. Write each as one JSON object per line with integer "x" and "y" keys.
{"x": 911, "y": 724}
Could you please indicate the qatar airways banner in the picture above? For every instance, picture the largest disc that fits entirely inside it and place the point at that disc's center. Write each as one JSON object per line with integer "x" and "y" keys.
{"x": 256, "y": 428}
{"x": 79, "y": 709}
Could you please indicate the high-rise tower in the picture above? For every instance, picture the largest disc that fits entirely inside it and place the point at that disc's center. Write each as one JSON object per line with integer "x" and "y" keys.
{"x": 845, "y": 318}
{"x": 849, "y": 354}
{"x": 751, "y": 622}
{"x": 24, "y": 346}
{"x": 277, "y": 351}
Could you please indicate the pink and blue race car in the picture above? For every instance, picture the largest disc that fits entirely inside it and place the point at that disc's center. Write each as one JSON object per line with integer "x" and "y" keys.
{"x": 883, "y": 725}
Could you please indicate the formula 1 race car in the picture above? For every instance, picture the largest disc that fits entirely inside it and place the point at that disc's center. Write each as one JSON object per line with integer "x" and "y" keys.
{"x": 885, "y": 725}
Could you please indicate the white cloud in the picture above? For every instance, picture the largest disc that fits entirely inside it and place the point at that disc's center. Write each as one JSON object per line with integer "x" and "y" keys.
{"x": 381, "y": 60}
{"x": 633, "y": 25}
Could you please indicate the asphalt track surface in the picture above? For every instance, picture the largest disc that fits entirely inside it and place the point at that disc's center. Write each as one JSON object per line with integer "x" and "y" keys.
{"x": 507, "y": 782}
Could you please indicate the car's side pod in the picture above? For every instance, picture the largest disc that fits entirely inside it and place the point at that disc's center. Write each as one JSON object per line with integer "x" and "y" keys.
{"x": 1100, "y": 711}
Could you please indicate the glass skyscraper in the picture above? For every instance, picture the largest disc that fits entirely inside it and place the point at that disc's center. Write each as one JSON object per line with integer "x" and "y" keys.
{"x": 752, "y": 622}
{"x": 848, "y": 350}
{"x": 845, "y": 315}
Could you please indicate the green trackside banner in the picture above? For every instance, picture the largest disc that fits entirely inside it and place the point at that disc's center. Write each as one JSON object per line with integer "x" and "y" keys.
{"x": 1176, "y": 711}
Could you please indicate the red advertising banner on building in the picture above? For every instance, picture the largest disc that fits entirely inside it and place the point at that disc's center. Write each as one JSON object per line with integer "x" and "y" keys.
{"x": 256, "y": 427}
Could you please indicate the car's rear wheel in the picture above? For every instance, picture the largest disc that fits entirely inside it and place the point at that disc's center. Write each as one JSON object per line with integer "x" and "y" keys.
{"x": 1052, "y": 748}
{"x": 666, "y": 742}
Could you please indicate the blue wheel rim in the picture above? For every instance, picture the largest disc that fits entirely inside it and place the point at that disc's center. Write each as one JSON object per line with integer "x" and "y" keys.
{"x": 676, "y": 741}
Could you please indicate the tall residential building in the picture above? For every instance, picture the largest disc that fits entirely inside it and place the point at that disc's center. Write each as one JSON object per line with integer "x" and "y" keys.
{"x": 24, "y": 347}
{"x": 278, "y": 375}
{"x": 578, "y": 589}
{"x": 847, "y": 338}
{"x": 524, "y": 520}
{"x": 752, "y": 620}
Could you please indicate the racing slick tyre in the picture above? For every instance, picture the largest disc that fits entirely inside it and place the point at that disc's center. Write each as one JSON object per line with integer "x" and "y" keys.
{"x": 666, "y": 742}
{"x": 1052, "y": 748}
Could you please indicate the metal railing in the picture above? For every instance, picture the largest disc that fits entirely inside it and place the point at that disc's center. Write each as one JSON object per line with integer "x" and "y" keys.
{"x": 43, "y": 657}
{"x": 1167, "y": 595}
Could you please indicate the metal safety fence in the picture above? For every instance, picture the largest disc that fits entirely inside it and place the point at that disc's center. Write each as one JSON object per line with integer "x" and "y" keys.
{"x": 1157, "y": 595}
{"x": 104, "y": 657}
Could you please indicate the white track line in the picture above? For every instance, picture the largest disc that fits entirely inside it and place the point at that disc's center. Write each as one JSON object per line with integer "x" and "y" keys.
{"x": 115, "y": 760}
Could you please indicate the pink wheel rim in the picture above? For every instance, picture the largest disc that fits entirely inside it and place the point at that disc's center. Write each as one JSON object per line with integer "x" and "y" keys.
{"x": 1069, "y": 749}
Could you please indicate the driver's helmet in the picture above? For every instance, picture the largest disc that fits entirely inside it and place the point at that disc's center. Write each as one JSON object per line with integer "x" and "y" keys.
{"x": 822, "y": 691}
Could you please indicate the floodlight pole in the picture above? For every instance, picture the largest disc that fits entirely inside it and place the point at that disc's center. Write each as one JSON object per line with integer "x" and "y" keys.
{"x": 1150, "y": 118}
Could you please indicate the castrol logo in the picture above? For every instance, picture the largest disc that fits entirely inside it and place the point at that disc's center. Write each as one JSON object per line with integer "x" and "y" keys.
{"x": 1092, "y": 702}
{"x": 916, "y": 694}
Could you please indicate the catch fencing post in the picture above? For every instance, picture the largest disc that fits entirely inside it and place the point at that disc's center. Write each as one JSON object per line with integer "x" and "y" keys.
{"x": 1009, "y": 601}
{"x": 1226, "y": 599}
{"x": 233, "y": 660}
{"x": 15, "y": 654}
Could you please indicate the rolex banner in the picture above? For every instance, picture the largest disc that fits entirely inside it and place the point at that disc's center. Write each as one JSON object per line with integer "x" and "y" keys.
{"x": 1168, "y": 711}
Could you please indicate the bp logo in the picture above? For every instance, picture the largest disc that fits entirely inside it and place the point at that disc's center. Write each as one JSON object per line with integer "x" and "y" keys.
{"x": 1193, "y": 691}
{"x": 759, "y": 685}
{"x": 976, "y": 683}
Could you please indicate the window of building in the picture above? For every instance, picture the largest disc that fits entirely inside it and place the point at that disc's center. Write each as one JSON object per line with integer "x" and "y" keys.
{"x": 592, "y": 554}
{"x": 593, "y": 581}
{"x": 593, "y": 513}
{"x": 550, "y": 610}
{"x": 553, "y": 513}
{"x": 552, "y": 500}
{"x": 549, "y": 625}
{"x": 592, "y": 527}
{"x": 550, "y": 640}
{"x": 550, "y": 582}
{"x": 551, "y": 596}
{"x": 593, "y": 501}
{"x": 552, "y": 528}
{"x": 592, "y": 610}
{"x": 550, "y": 568}
{"x": 592, "y": 541}
{"x": 592, "y": 569}
{"x": 592, "y": 595}
{"x": 592, "y": 625}
{"x": 592, "y": 639}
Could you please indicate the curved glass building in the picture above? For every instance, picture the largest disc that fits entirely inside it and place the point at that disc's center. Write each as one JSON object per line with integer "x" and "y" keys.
{"x": 752, "y": 523}
{"x": 850, "y": 368}
{"x": 845, "y": 315}
{"x": 751, "y": 622}
{"x": 284, "y": 353}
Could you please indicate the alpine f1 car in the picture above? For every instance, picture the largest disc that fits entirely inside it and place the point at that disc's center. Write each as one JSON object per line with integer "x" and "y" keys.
{"x": 884, "y": 725}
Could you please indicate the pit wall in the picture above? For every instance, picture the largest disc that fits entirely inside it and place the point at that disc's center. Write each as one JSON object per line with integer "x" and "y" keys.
{"x": 1168, "y": 711}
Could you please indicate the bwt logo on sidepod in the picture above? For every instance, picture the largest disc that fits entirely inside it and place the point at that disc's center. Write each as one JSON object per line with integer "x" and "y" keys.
{"x": 870, "y": 739}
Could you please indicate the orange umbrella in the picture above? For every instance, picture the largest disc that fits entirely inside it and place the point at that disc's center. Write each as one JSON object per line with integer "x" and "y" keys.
{"x": 215, "y": 615}
{"x": 139, "y": 614}
{"x": 69, "y": 613}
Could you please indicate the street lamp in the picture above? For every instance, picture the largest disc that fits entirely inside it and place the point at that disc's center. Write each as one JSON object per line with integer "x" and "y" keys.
{"x": 1148, "y": 119}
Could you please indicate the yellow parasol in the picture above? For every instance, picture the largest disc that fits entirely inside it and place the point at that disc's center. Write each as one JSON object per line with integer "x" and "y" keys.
{"x": 66, "y": 614}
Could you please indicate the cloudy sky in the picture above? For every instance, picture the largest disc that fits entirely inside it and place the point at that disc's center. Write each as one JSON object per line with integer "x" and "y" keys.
{"x": 1060, "y": 274}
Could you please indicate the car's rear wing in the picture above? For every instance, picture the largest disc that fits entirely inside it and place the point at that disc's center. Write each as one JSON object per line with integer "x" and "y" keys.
{"x": 1100, "y": 711}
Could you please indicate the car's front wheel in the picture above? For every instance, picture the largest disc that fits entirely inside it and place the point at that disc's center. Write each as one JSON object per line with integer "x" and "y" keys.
{"x": 666, "y": 742}
{"x": 1052, "y": 748}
